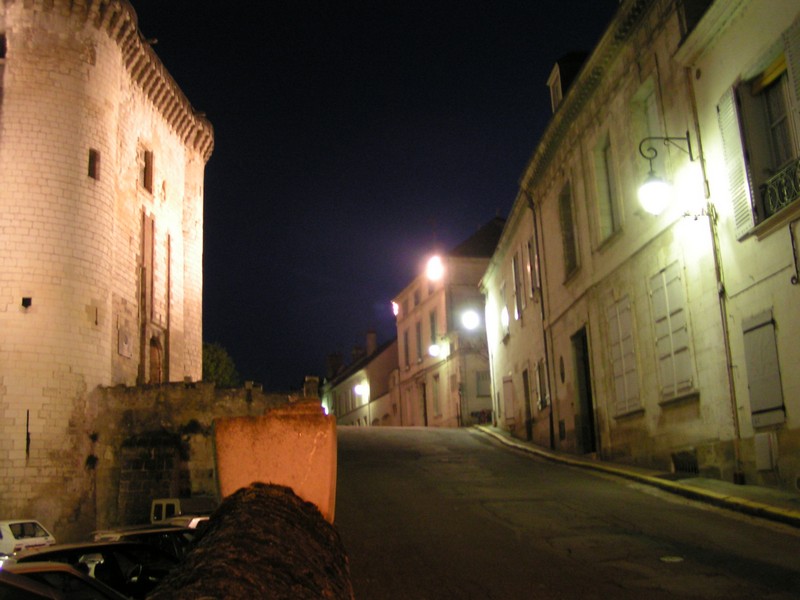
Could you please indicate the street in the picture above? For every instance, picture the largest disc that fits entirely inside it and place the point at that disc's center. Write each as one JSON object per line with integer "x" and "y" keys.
{"x": 449, "y": 513}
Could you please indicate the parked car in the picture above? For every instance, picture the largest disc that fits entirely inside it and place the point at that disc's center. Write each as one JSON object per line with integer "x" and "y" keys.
{"x": 21, "y": 534}
{"x": 67, "y": 581}
{"x": 131, "y": 568}
{"x": 18, "y": 586}
{"x": 171, "y": 539}
{"x": 196, "y": 522}
{"x": 162, "y": 509}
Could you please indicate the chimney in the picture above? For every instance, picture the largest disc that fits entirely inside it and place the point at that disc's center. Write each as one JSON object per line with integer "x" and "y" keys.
{"x": 335, "y": 364}
{"x": 372, "y": 342}
{"x": 311, "y": 387}
{"x": 357, "y": 354}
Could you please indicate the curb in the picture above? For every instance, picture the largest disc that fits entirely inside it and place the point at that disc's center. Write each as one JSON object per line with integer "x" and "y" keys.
{"x": 742, "y": 505}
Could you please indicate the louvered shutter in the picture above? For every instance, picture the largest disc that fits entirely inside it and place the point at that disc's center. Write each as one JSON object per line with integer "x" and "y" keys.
{"x": 791, "y": 45}
{"x": 738, "y": 177}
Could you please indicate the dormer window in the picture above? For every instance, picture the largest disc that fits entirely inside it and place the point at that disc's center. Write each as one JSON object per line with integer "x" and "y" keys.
{"x": 554, "y": 83}
{"x": 563, "y": 74}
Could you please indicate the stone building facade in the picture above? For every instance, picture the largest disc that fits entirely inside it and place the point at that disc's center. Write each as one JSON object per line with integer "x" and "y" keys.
{"x": 102, "y": 164}
{"x": 443, "y": 365}
{"x": 365, "y": 392}
{"x": 664, "y": 340}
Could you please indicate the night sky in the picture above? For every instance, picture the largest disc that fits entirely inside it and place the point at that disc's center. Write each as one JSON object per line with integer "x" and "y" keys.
{"x": 351, "y": 140}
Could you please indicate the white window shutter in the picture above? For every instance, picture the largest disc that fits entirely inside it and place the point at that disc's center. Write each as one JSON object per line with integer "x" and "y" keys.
{"x": 791, "y": 44}
{"x": 738, "y": 178}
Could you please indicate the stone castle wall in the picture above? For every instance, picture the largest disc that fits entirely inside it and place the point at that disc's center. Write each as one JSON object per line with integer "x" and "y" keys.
{"x": 102, "y": 162}
{"x": 155, "y": 441}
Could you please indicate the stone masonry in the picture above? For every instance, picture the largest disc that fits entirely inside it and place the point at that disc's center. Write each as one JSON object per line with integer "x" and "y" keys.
{"x": 102, "y": 163}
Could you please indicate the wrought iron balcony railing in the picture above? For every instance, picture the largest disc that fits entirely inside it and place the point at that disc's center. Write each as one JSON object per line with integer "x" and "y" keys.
{"x": 781, "y": 189}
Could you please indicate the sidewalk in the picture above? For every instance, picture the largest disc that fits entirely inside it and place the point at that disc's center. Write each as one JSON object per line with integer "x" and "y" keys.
{"x": 766, "y": 503}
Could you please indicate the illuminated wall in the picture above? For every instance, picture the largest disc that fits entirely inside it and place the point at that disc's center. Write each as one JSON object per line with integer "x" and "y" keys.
{"x": 667, "y": 340}
{"x": 102, "y": 161}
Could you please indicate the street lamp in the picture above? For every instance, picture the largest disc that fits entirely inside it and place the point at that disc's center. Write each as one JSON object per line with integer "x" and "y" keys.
{"x": 434, "y": 270}
{"x": 654, "y": 193}
{"x": 470, "y": 319}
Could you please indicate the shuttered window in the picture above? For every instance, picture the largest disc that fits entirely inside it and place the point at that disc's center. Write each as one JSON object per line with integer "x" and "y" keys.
{"x": 568, "y": 236}
{"x": 759, "y": 120}
{"x": 763, "y": 373}
{"x": 622, "y": 353}
{"x": 668, "y": 301}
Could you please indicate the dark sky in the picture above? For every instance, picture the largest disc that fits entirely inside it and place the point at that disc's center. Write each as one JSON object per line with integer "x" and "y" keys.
{"x": 352, "y": 139}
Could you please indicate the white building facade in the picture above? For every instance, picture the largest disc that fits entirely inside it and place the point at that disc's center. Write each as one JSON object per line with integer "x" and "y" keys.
{"x": 102, "y": 164}
{"x": 365, "y": 393}
{"x": 658, "y": 340}
{"x": 443, "y": 362}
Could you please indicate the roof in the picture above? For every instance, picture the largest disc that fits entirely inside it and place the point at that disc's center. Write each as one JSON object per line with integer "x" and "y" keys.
{"x": 363, "y": 361}
{"x": 483, "y": 242}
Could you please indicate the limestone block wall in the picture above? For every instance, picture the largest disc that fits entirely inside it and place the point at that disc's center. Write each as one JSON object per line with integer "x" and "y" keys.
{"x": 156, "y": 441}
{"x": 101, "y": 163}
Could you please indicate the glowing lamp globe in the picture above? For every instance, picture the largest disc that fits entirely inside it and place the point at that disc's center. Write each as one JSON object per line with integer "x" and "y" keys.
{"x": 435, "y": 268}
{"x": 470, "y": 320}
{"x": 654, "y": 194}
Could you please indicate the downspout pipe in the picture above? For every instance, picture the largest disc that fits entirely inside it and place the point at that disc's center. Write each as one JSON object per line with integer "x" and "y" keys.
{"x": 738, "y": 473}
{"x": 545, "y": 345}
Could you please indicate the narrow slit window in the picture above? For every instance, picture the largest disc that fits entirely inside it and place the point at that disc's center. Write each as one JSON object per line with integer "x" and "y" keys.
{"x": 94, "y": 164}
{"x": 146, "y": 170}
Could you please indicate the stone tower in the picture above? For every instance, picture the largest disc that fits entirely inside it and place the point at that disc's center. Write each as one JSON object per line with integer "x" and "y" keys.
{"x": 102, "y": 161}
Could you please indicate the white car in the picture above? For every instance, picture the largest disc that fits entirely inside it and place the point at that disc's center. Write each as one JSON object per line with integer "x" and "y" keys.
{"x": 22, "y": 534}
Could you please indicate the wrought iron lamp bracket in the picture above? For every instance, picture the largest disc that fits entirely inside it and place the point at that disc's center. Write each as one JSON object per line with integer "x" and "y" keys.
{"x": 649, "y": 152}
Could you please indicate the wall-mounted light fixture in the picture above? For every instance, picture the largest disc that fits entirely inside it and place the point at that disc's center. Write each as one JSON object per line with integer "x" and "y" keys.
{"x": 654, "y": 192}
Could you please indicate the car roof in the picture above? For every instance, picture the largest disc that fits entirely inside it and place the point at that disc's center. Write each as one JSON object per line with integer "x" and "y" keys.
{"x": 31, "y": 553}
{"x": 27, "y": 584}
{"x": 52, "y": 566}
{"x": 14, "y": 521}
{"x": 133, "y": 529}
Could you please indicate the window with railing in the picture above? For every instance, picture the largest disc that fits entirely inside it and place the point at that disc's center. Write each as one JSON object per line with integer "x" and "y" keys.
{"x": 761, "y": 135}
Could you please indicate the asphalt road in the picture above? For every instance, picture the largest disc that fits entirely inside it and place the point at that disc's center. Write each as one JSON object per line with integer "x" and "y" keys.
{"x": 451, "y": 514}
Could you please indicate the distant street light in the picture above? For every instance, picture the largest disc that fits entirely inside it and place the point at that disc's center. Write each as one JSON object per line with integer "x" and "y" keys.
{"x": 470, "y": 319}
{"x": 435, "y": 268}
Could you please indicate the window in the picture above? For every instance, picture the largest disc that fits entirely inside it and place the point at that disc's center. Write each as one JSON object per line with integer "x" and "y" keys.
{"x": 417, "y": 297}
{"x": 671, "y": 332}
{"x": 623, "y": 356}
{"x": 761, "y": 140}
{"x": 146, "y": 169}
{"x": 419, "y": 341}
{"x": 2, "y": 58}
{"x": 406, "y": 351}
{"x": 605, "y": 180}
{"x": 483, "y": 383}
{"x": 93, "y": 169}
{"x": 437, "y": 408}
{"x": 763, "y": 372}
{"x": 533, "y": 268}
{"x": 568, "y": 237}
{"x": 519, "y": 297}
{"x": 504, "y": 320}
{"x": 554, "y": 83}
{"x": 434, "y": 335}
